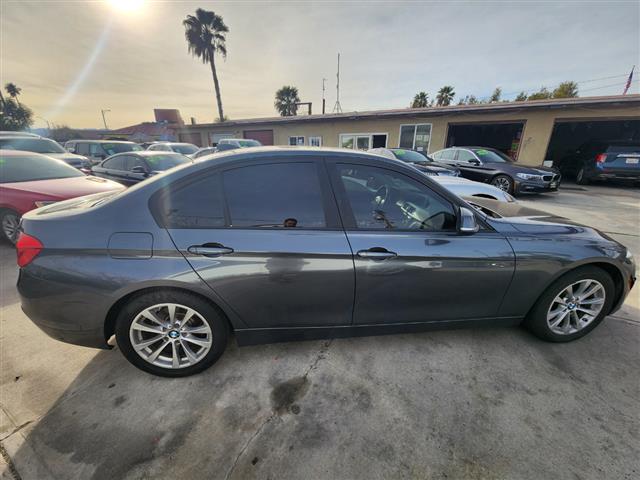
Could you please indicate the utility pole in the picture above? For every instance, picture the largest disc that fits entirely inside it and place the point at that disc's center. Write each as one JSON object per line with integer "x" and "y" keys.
{"x": 323, "y": 100}
{"x": 337, "y": 108}
{"x": 104, "y": 120}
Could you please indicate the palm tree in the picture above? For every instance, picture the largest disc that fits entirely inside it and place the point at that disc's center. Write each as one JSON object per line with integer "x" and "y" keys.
{"x": 286, "y": 101}
{"x": 445, "y": 96}
{"x": 13, "y": 90}
{"x": 421, "y": 100}
{"x": 205, "y": 34}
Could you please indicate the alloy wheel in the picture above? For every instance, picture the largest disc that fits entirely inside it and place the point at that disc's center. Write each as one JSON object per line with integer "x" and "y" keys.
{"x": 10, "y": 224}
{"x": 169, "y": 335}
{"x": 502, "y": 183}
{"x": 575, "y": 307}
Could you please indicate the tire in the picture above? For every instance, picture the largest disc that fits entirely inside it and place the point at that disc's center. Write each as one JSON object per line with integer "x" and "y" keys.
{"x": 537, "y": 322}
{"x": 504, "y": 183}
{"x": 9, "y": 221}
{"x": 197, "y": 344}
{"x": 581, "y": 178}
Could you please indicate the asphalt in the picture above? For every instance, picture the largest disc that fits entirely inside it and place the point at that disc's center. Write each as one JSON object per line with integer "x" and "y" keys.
{"x": 460, "y": 404}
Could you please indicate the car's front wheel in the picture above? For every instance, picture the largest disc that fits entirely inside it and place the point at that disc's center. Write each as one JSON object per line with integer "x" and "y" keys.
{"x": 504, "y": 183}
{"x": 171, "y": 333}
{"x": 10, "y": 222}
{"x": 573, "y": 305}
{"x": 581, "y": 177}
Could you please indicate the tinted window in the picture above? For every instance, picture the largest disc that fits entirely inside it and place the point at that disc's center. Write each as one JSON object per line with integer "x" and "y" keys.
{"x": 164, "y": 161}
{"x": 82, "y": 149}
{"x": 465, "y": 156}
{"x": 448, "y": 154}
{"x": 384, "y": 199}
{"x": 184, "y": 148}
{"x": 623, "y": 149}
{"x": 275, "y": 195}
{"x": 492, "y": 156}
{"x": 198, "y": 204}
{"x": 23, "y": 169}
{"x": 115, "y": 163}
{"x": 131, "y": 161}
{"x": 409, "y": 156}
{"x": 37, "y": 145}
{"x": 113, "y": 148}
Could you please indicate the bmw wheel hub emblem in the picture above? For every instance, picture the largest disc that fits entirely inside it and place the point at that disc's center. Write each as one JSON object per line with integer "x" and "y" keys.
{"x": 174, "y": 334}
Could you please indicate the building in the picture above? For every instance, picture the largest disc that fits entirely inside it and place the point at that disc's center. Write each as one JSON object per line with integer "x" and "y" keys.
{"x": 530, "y": 131}
{"x": 167, "y": 121}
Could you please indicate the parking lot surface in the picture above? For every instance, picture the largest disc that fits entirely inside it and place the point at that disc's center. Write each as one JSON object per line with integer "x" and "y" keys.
{"x": 457, "y": 404}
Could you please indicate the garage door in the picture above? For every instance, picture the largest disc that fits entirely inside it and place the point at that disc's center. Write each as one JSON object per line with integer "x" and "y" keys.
{"x": 501, "y": 136}
{"x": 265, "y": 137}
{"x": 571, "y": 138}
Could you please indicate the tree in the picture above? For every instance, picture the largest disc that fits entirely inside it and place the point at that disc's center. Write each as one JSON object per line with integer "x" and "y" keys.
{"x": 469, "y": 100}
{"x": 445, "y": 96}
{"x": 421, "y": 100}
{"x": 13, "y": 115}
{"x": 206, "y": 35}
{"x": 286, "y": 100}
{"x": 522, "y": 96}
{"x": 567, "y": 89}
{"x": 13, "y": 90}
{"x": 495, "y": 96}
{"x": 62, "y": 133}
{"x": 541, "y": 94}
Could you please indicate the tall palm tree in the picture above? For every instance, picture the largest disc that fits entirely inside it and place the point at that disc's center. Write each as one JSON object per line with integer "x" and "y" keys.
{"x": 445, "y": 96}
{"x": 421, "y": 100}
{"x": 13, "y": 90}
{"x": 206, "y": 35}
{"x": 286, "y": 101}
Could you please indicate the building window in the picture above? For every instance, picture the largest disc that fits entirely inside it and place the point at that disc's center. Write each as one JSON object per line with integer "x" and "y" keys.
{"x": 315, "y": 141}
{"x": 415, "y": 137}
{"x": 296, "y": 140}
{"x": 363, "y": 141}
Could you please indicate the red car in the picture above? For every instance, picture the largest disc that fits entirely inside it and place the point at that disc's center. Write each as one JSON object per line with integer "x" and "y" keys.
{"x": 30, "y": 180}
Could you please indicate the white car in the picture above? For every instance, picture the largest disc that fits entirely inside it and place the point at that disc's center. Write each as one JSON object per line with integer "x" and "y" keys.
{"x": 468, "y": 188}
{"x": 239, "y": 143}
{"x": 187, "y": 149}
{"x": 45, "y": 146}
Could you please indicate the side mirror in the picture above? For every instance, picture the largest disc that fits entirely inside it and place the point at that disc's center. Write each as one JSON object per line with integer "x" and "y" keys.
{"x": 475, "y": 162}
{"x": 138, "y": 169}
{"x": 467, "y": 223}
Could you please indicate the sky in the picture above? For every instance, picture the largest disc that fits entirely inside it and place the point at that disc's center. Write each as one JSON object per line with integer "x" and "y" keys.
{"x": 74, "y": 58}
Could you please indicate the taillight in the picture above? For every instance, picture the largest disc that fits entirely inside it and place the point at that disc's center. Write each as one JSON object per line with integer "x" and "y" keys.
{"x": 601, "y": 158}
{"x": 27, "y": 248}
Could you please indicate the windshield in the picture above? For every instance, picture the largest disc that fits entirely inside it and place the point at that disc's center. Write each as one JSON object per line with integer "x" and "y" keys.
{"x": 23, "y": 168}
{"x": 184, "y": 148}
{"x": 165, "y": 162}
{"x": 410, "y": 156}
{"x": 113, "y": 148}
{"x": 249, "y": 143}
{"x": 37, "y": 145}
{"x": 491, "y": 156}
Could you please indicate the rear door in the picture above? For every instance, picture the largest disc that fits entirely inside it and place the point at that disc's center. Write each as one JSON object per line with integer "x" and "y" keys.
{"x": 472, "y": 167}
{"x": 267, "y": 240}
{"x": 411, "y": 264}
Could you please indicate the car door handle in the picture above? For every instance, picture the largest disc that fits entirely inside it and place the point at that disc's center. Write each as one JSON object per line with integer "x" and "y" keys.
{"x": 209, "y": 250}
{"x": 376, "y": 253}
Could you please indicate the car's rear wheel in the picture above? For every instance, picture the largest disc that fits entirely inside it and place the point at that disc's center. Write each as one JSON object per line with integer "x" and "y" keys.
{"x": 10, "y": 222}
{"x": 503, "y": 182}
{"x": 581, "y": 177}
{"x": 573, "y": 305}
{"x": 171, "y": 333}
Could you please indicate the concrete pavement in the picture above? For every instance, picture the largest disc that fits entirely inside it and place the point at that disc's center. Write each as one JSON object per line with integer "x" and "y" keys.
{"x": 460, "y": 404}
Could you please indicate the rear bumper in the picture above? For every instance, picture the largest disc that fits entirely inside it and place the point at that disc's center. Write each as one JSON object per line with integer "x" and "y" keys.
{"x": 615, "y": 175}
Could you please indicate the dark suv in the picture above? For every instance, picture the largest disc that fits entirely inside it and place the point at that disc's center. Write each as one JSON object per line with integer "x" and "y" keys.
{"x": 597, "y": 160}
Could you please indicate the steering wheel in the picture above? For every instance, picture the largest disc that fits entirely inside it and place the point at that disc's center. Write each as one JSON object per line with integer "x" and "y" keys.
{"x": 381, "y": 196}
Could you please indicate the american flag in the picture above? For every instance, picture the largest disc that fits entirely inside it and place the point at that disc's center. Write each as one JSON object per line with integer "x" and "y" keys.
{"x": 626, "y": 87}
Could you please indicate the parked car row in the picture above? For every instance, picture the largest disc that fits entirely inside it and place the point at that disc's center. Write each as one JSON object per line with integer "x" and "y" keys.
{"x": 255, "y": 241}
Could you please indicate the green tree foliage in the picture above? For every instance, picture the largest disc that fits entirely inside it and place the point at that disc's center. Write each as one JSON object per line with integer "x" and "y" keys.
{"x": 567, "y": 89}
{"x": 541, "y": 94}
{"x": 286, "y": 99}
{"x": 445, "y": 96}
{"x": 205, "y": 33}
{"x": 62, "y": 133}
{"x": 469, "y": 100}
{"x": 522, "y": 96}
{"x": 495, "y": 96}
{"x": 14, "y": 116}
{"x": 421, "y": 100}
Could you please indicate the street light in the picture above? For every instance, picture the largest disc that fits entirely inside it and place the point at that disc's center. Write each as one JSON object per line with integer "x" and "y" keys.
{"x": 104, "y": 120}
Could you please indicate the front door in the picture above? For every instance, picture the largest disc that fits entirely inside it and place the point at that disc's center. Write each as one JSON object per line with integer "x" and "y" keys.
{"x": 266, "y": 239}
{"x": 411, "y": 264}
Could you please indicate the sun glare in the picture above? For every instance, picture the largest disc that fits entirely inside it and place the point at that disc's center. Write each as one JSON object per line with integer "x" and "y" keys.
{"x": 126, "y": 5}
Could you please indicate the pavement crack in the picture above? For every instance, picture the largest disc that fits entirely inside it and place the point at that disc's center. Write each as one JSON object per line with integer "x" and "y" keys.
{"x": 320, "y": 356}
{"x": 16, "y": 430}
{"x": 247, "y": 443}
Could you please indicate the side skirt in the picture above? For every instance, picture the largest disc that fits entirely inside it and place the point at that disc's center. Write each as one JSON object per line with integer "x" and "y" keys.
{"x": 257, "y": 336}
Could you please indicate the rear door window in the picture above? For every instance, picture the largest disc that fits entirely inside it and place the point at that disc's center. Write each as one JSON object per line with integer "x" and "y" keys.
{"x": 115, "y": 163}
{"x": 275, "y": 195}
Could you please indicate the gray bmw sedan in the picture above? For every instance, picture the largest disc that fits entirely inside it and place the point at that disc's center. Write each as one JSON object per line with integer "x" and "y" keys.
{"x": 291, "y": 243}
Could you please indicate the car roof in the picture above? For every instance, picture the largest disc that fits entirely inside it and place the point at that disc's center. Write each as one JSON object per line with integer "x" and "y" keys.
{"x": 102, "y": 141}
{"x": 19, "y": 153}
{"x": 144, "y": 153}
